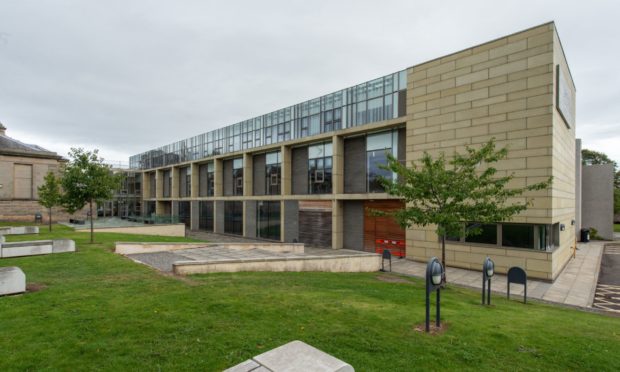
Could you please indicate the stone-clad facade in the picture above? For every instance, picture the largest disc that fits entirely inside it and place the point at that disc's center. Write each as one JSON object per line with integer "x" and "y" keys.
{"x": 22, "y": 170}
{"x": 505, "y": 89}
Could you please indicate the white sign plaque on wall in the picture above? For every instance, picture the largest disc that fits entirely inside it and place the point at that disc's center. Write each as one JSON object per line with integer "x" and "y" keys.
{"x": 565, "y": 98}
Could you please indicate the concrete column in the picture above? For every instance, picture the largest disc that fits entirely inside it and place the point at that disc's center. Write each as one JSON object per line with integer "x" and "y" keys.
{"x": 146, "y": 186}
{"x": 174, "y": 190}
{"x": 218, "y": 173}
{"x": 248, "y": 175}
{"x": 337, "y": 224}
{"x": 159, "y": 184}
{"x": 160, "y": 208}
{"x": 286, "y": 179}
{"x": 249, "y": 218}
{"x": 195, "y": 209}
{"x": 174, "y": 208}
{"x": 218, "y": 211}
{"x": 338, "y": 165}
{"x": 195, "y": 169}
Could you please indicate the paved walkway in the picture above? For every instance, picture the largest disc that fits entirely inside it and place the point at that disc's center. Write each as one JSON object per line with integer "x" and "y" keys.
{"x": 575, "y": 286}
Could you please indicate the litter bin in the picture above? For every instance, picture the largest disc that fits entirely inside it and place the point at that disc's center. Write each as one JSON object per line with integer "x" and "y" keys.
{"x": 38, "y": 217}
{"x": 585, "y": 235}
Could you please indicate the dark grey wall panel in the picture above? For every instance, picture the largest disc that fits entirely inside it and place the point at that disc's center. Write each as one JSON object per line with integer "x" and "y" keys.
{"x": 402, "y": 144}
{"x": 175, "y": 208}
{"x": 355, "y": 165}
{"x": 202, "y": 180}
{"x": 228, "y": 178}
{"x": 258, "y": 172}
{"x": 250, "y": 218}
{"x": 183, "y": 182}
{"x": 291, "y": 220}
{"x": 195, "y": 215}
{"x": 353, "y": 224}
{"x": 167, "y": 178}
{"x": 219, "y": 216}
{"x": 402, "y": 103}
{"x": 299, "y": 165}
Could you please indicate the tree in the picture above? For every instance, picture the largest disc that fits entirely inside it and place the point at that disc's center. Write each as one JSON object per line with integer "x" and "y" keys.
{"x": 451, "y": 193}
{"x": 87, "y": 179}
{"x": 50, "y": 195}
{"x": 590, "y": 157}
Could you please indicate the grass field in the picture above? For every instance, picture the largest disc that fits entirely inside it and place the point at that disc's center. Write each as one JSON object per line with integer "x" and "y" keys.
{"x": 99, "y": 311}
{"x": 617, "y": 227}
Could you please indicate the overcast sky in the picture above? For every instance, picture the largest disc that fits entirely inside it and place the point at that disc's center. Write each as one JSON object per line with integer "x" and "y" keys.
{"x": 128, "y": 76}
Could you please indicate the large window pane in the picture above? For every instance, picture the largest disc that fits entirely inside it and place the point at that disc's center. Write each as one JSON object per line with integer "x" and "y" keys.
{"x": 268, "y": 220}
{"x": 376, "y": 159}
{"x": 520, "y": 236}
{"x": 488, "y": 235}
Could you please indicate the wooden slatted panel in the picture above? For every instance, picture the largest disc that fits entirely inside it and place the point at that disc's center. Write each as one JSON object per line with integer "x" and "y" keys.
{"x": 315, "y": 223}
{"x": 381, "y": 227}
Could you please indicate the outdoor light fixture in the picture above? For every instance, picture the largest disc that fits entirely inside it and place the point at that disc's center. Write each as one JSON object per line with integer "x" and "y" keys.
{"x": 434, "y": 275}
{"x": 488, "y": 269}
{"x": 562, "y": 227}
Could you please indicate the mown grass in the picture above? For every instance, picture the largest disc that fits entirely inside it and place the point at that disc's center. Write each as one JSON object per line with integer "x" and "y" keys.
{"x": 101, "y": 311}
{"x": 617, "y": 227}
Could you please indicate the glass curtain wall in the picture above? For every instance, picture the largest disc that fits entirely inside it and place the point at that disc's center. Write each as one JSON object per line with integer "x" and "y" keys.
{"x": 368, "y": 102}
{"x": 233, "y": 217}
{"x": 205, "y": 215}
{"x": 268, "y": 220}
{"x": 378, "y": 146}
{"x": 185, "y": 213}
{"x": 273, "y": 171}
{"x": 238, "y": 176}
{"x": 320, "y": 168}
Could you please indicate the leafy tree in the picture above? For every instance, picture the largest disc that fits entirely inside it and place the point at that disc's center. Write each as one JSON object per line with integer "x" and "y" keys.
{"x": 449, "y": 193}
{"x": 616, "y": 201}
{"x": 50, "y": 194}
{"x": 87, "y": 179}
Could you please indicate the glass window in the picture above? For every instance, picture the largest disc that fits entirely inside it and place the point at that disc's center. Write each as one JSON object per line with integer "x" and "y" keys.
{"x": 268, "y": 220}
{"x": 273, "y": 172}
{"x": 488, "y": 235}
{"x": 233, "y": 217}
{"x": 320, "y": 168}
{"x": 519, "y": 235}
{"x": 379, "y": 141}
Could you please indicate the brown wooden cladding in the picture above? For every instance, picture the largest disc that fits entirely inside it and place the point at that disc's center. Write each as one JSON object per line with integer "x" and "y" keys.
{"x": 381, "y": 227}
{"x": 315, "y": 223}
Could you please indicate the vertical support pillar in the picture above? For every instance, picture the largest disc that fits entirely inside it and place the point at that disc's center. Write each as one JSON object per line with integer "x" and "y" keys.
{"x": 159, "y": 191}
{"x": 146, "y": 186}
{"x": 287, "y": 172}
{"x": 337, "y": 224}
{"x": 337, "y": 165}
{"x": 248, "y": 175}
{"x": 218, "y": 174}
{"x": 218, "y": 220}
{"x": 195, "y": 178}
{"x": 174, "y": 190}
{"x": 195, "y": 215}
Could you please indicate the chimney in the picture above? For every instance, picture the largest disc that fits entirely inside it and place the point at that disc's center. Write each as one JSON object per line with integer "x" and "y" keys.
{"x": 2, "y": 130}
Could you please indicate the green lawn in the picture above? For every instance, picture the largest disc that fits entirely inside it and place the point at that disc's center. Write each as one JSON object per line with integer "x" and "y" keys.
{"x": 617, "y": 227}
{"x": 101, "y": 311}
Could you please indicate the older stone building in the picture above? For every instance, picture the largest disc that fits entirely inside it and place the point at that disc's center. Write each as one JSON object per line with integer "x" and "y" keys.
{"x": 309, "y": 172}
{"x": 22, "y": 170}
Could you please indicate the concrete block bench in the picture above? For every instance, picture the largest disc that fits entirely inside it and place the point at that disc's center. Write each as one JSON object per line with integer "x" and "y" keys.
{"x": 12, "y": 280}
{"x": 37, "y": 247}
{"x": 294, "y": 356}
{"x": 19, "y": 230}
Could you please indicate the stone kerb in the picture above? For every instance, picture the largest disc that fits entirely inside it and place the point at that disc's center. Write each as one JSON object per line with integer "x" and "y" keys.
{"x": 294, "y": 356}
{"x": 12, "y": 280}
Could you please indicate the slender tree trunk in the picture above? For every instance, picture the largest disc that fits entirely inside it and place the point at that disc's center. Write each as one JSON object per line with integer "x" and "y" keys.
{"x": 50, "y": 219}
{"x": 443, "y": 256}
{"x": 92, "y": 231}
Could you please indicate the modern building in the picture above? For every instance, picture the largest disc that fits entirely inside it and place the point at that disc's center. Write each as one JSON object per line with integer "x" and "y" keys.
{"x": 309, "y": 172}
{"x": 22, "y": 170}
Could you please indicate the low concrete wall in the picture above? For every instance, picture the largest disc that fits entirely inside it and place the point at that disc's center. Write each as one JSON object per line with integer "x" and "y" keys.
{"x": 162, "y": 230}
{"x": 19, "y": 230}
{"x": 344, "y": 264}
{"x": 133, "y": 248}
{"x": 35, "y": 248}
{"x": 12, "y": 280}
